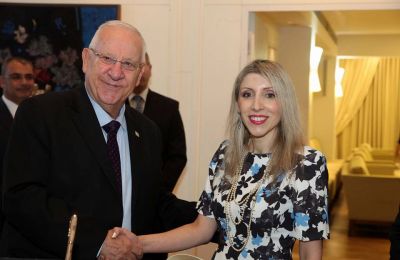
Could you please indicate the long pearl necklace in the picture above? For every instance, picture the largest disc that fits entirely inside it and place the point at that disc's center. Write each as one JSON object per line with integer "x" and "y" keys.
{"x": 242, "y": 204}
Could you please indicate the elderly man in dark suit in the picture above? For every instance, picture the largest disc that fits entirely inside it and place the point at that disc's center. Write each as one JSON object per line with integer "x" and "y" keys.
{"x": 17, "y": 83}
{"x": 164, "y": 111}
{"x": 84, "y": 152}
{"x": 395, "y": 238}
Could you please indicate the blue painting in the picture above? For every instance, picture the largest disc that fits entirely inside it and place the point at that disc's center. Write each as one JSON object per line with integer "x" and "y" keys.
{"x": 52, "y": 37}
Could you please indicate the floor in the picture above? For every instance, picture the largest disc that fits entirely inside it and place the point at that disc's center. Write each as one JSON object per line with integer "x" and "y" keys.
{"x": 341, "y": 246}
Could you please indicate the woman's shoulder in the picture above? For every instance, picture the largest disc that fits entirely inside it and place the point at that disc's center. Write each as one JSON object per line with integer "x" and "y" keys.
{"x": 312, "y": 153}
{"x": 313, "y": 167}
{"x": 222, "y": 148}
{"x": 224, "y": 144}
{"x": 218, "y": 157}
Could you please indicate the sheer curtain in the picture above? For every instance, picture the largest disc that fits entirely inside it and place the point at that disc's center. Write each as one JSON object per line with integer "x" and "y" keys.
{"x": 370, "y": 110}
{"x": 356, "y": 82}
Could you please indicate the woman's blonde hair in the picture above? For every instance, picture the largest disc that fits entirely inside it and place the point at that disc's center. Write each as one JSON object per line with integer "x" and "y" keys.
{"x": 289, "y": 140}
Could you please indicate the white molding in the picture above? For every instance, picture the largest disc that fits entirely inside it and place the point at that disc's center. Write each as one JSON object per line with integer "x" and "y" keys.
{"x": 88, "y": 2}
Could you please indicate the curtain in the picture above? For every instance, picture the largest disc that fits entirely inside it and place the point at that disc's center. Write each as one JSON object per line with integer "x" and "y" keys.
{"x": 356, "y": 82}
{"x": 375, "y": 118}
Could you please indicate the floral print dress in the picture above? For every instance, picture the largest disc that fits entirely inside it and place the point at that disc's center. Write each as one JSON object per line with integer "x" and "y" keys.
{"x": 294, "y": 207}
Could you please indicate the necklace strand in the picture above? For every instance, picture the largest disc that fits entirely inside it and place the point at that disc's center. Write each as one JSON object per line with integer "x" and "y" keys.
{"x": 242, "y": 204}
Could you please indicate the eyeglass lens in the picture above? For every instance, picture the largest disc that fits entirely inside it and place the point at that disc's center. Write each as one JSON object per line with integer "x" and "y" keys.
{"x": 110, "y": 60}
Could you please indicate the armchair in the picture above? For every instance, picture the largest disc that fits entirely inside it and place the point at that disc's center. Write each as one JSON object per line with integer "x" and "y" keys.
{"x": 372, "y": 193}
{"x": 369, "y": 159}
{"x": 378, "y": 154}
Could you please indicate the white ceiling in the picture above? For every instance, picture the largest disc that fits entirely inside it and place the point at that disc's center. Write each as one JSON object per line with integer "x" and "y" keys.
{"x": 346, "y": 22}
{"x": 364, "y": 22}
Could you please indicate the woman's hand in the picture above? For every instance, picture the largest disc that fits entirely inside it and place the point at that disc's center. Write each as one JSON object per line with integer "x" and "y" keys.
{"x": 121, "y": 244}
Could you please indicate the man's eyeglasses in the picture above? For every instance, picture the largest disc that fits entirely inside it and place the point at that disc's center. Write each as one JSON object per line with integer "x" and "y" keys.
{"x": 18, "y": 76}
{"x": 127, "y": 65}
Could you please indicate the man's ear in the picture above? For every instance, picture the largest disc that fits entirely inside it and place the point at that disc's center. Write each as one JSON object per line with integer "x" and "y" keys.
{"x": 139, "y": 77}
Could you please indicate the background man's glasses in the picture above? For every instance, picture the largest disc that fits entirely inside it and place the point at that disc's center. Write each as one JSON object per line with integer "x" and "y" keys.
{"x": 18, "y": 77}
{"x": 125, "y": 64}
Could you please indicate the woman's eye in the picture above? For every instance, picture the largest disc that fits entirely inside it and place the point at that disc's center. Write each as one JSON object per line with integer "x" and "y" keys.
{"x": 246, "y": 94}
{"x": 270, "y": 95}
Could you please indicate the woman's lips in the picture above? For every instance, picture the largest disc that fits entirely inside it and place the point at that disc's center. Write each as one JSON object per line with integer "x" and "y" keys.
{"x": 258, "y": 119}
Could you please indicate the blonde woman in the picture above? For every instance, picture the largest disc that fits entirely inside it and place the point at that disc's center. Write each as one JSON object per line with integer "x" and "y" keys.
{"x": 265, "y": 189}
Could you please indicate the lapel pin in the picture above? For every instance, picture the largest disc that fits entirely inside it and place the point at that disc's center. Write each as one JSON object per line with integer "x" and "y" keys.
{"x": 137, "y": 134}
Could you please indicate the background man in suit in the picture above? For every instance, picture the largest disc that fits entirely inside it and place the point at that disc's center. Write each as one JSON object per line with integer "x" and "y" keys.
{"x": 17, "y": 82}
{"x": 84, "y": 152}
{"x": 395, "y": 238}
{"x": 164, "y": 111}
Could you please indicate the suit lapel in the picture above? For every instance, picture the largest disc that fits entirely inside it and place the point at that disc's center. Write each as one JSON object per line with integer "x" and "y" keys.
{"x": 88, "y": 126}
{"x": 148, "y": 102}
{"x": 6, "y": 118}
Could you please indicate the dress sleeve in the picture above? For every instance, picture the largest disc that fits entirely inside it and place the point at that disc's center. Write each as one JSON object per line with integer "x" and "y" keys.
{"x": 206, "y": 197}
{"x": 310, "y": 206}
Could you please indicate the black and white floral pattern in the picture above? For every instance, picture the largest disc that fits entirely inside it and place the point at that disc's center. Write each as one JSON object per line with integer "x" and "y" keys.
{"x": 294, "y": 207}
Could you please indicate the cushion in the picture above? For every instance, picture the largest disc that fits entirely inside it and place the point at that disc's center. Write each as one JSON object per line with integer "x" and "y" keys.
{"x": 358, "y": 166}
{"x": 367, "y": 146}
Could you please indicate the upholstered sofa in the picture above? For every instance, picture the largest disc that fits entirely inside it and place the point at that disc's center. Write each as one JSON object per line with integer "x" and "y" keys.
{"x": 370, "y": 158}
{"x": 372, "y": 192}
{"x": 378, "y": 154}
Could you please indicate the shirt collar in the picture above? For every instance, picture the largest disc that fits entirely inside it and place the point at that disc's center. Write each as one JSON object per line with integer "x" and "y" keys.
{"x": 103, "y": 117}
{"x": 12, "y": 107}
{"x": 143, "y": 94}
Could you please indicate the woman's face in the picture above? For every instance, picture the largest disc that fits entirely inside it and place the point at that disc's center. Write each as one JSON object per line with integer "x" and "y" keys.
{"x": 259, "y": 109}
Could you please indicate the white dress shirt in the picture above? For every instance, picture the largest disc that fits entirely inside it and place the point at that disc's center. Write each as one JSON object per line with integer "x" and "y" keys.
{"x": 123, "y": 145}
{"x": 12, "y": 107}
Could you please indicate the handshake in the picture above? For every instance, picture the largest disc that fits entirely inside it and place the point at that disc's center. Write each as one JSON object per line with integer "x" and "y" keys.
{"x": 121, "y": 244}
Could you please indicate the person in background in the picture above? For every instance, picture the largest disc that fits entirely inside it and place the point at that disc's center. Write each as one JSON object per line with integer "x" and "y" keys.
{"x": 85, "y": 152}
{"x": 17, "y": 83}
{"x": 395, "y": 238}
{"x": 164, "y": 111}
{"x": 265, "y": 189}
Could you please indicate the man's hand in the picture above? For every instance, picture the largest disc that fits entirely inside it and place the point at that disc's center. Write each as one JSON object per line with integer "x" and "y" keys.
{"x": 121, "y": 244}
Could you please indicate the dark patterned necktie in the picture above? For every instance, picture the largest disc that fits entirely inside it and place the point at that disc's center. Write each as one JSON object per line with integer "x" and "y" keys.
{"x": 139, "y": 103}
{"x": 113, "y": 150}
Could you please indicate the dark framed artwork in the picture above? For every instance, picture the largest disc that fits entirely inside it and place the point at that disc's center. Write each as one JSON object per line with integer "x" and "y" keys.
{"x": 52, "y": 36}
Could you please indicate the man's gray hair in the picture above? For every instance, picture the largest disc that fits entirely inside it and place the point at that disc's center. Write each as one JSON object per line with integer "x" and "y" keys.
{"x": 118, "y": 23}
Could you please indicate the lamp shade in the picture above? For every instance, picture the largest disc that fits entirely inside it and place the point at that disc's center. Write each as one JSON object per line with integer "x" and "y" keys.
{"x": 338, "y": 82}
{"x": 316, "y": 53}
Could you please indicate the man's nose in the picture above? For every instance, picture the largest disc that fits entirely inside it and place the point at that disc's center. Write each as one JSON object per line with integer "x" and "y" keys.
{"x": 116, "y": 71}
{"x": 27, "y": 81}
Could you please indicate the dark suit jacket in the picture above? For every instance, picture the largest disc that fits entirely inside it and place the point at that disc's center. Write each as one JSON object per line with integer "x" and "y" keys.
{"x": 395, "y": 239}
{"x": 5, "y": 128}
{"x": 57, "y": 165}
{"x": 164, "y": 112}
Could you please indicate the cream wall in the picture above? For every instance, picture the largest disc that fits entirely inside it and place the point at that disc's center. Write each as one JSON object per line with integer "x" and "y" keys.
{"x": 197, "y": 48}
{"x": 266, "y": 38}
{"x": 365, "y": 45}
{"x": 323, "y": 112}
{"x": 294, "y": 55}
